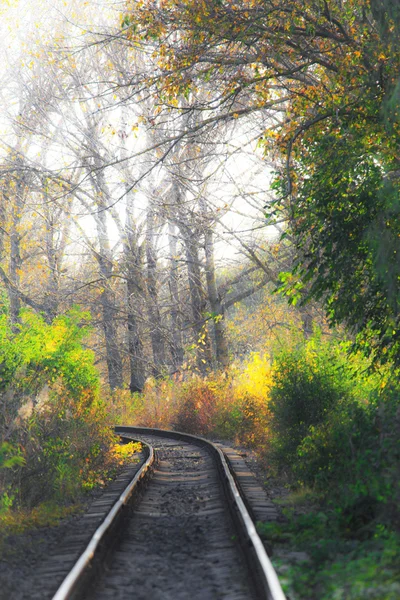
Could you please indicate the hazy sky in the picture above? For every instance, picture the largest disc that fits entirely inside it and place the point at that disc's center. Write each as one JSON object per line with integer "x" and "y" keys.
{"x": 28, "y": 26}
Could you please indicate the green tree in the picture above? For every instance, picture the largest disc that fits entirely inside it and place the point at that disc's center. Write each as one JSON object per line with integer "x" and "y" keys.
{"x": 329, "y": 70}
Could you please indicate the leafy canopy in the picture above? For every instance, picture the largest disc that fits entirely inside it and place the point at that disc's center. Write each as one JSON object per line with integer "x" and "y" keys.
{"x": 326, "y": 73}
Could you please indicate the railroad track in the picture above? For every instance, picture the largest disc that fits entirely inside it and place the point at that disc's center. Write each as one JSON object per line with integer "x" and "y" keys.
{"x": 179, "y": 530}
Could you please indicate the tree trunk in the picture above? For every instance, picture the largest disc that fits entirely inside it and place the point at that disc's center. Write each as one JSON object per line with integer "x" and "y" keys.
{"x": 134, "y": 285}
{"x": 113, "y": 356}
{"x": 53, "y": 284}
{"x": 108, "y": 304}
{"x": 198, "y": 305}
{"x": 307, "y": 321}
{"x": 217, "y": 308}
{"x": 176, "y": 344}
{"x": 135, "y": 346}
{"x": 15, "y": 262}
{"x": 153, "y": 311}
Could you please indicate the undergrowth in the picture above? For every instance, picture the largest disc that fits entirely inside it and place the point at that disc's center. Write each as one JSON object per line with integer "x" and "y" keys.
{"x": 314, "y": 415}
{"x": 231, "y": 405}
{"x": 56, "y": 440}
{"x": 321, "y": 420}
{"x": 316, "y": 557}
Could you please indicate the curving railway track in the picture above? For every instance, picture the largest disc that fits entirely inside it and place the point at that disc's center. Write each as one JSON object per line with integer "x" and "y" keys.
{"x": 179, "y": 530}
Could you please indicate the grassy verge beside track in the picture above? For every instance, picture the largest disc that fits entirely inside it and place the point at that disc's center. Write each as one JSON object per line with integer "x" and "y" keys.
{"x": 318, "y": 557}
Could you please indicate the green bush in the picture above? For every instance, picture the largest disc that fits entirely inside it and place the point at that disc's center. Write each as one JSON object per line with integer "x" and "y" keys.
{"x": 237, "y": 417}
{"x": 337, "y": 453}
{"x": 41, "y": 353}
{"x": 308, "y": 382}
{"x": 336, "y": 429}
{"x": 53, "y": 419}
{"x": 355, "y": 455}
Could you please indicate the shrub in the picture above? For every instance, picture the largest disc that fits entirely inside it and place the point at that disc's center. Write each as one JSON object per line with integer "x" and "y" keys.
{"x": 336, "y": 451}
{"x": 67, "y": 444}
{"x": 336, "y": 429}
{"x": 197, "y": 406}
{"x": 243, "y": 414}
{"x": 53, "y": 416}
{"x": 308, "y": 382}
{"x": 157, "y": 406}
{"x": 354, "y": 456}
{"x": 254, "y": 377}
{"x": 232, "y": 405}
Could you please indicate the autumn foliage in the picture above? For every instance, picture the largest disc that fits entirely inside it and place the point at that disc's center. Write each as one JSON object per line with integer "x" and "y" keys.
{"x": 324, "y": 76}
{"x": 232, "y": 405}
{"x": 56, "y": 436}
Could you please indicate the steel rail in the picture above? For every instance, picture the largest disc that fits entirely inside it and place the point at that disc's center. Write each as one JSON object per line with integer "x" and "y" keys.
{"x": 74, "y": 578}
{"x": 267, "y": 584}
